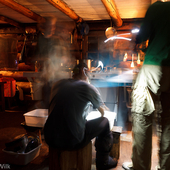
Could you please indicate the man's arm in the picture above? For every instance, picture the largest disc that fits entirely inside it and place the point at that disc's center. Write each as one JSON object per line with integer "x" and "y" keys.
{"x": 102, "y": 108}
{"x": 96, "y": 100}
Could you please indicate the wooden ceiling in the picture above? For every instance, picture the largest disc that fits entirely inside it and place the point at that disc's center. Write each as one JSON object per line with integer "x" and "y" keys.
{"x": 18, "y": 12}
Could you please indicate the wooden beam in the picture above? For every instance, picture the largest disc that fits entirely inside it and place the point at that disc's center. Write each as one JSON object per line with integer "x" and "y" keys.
{"x": 59, "y": 4}
{"x": 113, "y": 12}
{"x": 129, "y": 24}
{"x": 102, "y": 25}
{"x": 10, "y": 21}
{"x": 21, "y": 9}
{"x": 5, "y": 29}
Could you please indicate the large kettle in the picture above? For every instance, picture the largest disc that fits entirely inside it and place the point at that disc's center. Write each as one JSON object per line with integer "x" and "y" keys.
{"x": 88, "y": 62}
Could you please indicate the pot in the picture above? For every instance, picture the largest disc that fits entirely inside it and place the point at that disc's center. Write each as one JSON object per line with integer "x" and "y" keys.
{"x": 88, "y": 62}
{"x": 18, "y": 144}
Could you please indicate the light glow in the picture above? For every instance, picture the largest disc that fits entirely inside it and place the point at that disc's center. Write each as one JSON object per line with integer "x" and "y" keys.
{"x": 117, "y": 37}
{"x": 99, "y": 64}
{"x": 136, "y": 30}
{"x": 138, "y": 61}
{"x": 125, "y": 76}
{"x": 132, "y": 64}
{"x": 111, "y": 116}
{"x": 125, "y": 57}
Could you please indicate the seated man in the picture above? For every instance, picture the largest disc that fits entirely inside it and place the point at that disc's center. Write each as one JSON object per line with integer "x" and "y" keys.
{"x": 67, "y": 128}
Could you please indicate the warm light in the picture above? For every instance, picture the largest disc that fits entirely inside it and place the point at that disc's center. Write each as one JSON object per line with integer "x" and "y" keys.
{"x": 89, "y": 64}
{"x": 132, "y": 64}
{"x": 138, "y": 60}
{"x": 124, "y": 34}
{"x": 125, "y": 57}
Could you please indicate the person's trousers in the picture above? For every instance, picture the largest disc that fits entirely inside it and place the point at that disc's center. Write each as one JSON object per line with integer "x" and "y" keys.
{"x": 100, "y": 129}
{"x": 150, "y": 100}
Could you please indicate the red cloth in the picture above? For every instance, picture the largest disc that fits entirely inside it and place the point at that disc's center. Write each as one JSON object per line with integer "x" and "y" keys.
{"x": 9, "y": 86}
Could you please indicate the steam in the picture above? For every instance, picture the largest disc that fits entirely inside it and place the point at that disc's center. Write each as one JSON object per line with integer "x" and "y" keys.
{"x": 54, "y": 67}
{"x": 100, "y": 64}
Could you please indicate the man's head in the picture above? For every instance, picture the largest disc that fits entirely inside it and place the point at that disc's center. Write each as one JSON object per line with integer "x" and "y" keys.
{"x": 80, "y": 71}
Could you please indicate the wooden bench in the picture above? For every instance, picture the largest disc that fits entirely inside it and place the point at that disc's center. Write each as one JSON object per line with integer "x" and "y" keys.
{"x": 71, "y": 160}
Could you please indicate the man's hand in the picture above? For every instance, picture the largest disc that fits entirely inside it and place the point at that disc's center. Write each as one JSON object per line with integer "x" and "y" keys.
{"x": 101, "y": 110}
{"x": 105, "y": 107}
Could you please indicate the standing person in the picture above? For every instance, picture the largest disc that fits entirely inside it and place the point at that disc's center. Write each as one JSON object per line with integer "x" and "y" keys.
{"x": 51, "y": 52}
{"x": 67, "y": 128}
{"x": 151, "y": 91}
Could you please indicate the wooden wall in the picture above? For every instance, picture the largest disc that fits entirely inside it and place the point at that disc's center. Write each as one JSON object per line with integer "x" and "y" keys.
{"x": 90, "y": 46}
{"x": 112, "y": 52}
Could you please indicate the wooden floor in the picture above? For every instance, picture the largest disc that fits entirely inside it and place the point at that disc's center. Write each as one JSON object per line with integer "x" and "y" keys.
{"x": 10, "y": 126}
{"x": 126, "y": 150}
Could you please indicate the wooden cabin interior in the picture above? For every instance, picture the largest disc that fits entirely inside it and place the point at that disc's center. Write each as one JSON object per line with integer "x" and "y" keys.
{"x": 82, "y": 31}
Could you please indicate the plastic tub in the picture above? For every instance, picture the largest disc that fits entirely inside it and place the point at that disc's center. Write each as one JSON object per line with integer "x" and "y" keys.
{"x": 36, "y": 118}
{"x": 111, "y": 116}
{"x": 21, "y": 158}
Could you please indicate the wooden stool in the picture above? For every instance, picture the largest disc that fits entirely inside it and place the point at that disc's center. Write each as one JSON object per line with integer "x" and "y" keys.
{"x": 71, "y": 160}
{"x": 115, "y": 151}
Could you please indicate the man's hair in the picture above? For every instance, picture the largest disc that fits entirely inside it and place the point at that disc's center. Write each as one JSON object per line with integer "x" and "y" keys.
{"x": 78, "y": 69}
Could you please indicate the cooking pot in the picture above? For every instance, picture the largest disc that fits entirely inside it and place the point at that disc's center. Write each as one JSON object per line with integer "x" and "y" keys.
{"x": 33, "y": 142}
{"x": 88, "y": 62}
{"x": 18, "y": 144}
